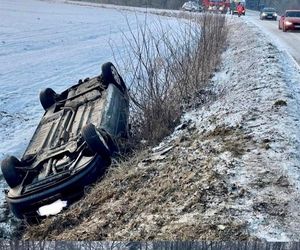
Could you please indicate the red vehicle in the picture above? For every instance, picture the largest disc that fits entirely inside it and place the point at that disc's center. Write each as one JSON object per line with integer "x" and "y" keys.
{"x": 240, "y": 9}
{"x": 290, "y": 20}
{"x": 218, "y": 6}
{"x": 234, "y": 6}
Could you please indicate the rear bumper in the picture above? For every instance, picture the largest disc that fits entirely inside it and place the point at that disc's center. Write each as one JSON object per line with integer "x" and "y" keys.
{"x": 269, "y": 17}
{"x": 236, "y": 12}
{"x": 25, "y": 206}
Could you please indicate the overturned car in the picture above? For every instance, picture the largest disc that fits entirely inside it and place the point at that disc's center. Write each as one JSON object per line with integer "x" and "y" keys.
{"x": 72, "y": 145}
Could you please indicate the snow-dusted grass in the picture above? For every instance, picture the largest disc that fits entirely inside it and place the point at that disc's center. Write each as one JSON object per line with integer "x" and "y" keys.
{"x": 258, "y": 88}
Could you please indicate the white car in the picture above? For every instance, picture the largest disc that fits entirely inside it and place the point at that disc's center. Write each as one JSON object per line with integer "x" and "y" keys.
{"x": 191, "y": 6}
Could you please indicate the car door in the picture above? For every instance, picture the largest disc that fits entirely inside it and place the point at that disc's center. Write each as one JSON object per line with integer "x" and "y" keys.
{"x": 116, "y": 110}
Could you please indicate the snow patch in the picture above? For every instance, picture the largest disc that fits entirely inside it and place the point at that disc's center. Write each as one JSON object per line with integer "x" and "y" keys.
{"x": 53, "y": 208}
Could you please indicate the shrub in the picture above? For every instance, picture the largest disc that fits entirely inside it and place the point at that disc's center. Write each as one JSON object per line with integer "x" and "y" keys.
{"x": 167, "y": 68}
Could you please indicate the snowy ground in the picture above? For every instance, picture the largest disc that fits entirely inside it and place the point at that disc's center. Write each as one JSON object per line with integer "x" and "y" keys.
{"x": 260, "y": 86}
{"x": 259, "y": 91}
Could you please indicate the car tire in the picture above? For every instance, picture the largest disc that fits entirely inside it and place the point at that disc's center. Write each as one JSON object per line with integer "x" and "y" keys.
{"x": 111, "y": 75}
{"x": 284, "y": 29}
{"x": 47, "y": 98}
{"x": 11, "y": 173}
{"x": 112, "y": 145}
{"x": 96, "y": 142}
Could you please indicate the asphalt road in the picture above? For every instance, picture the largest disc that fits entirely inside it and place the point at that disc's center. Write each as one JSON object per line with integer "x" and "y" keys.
{"x": 289, "y": 41}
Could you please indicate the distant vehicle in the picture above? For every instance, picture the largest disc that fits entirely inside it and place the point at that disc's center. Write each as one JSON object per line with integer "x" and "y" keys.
{"x": 234, "y": 5}
{"x": 216, "y": 6}
{"x": 290, "y": 20}
{"x": 72, "y": 145}
{"x": 268, "y": 13}
{"x": 191, "y": 6}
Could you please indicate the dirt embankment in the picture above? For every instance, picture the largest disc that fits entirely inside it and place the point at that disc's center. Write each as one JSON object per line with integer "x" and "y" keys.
{"x": 227, "y": 173}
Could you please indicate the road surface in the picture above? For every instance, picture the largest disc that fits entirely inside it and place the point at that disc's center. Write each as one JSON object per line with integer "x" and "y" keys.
{"x": 289, "y": 41}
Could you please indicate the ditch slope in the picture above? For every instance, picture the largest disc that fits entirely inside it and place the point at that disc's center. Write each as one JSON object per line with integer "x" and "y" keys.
{"x": 230, "y": 171}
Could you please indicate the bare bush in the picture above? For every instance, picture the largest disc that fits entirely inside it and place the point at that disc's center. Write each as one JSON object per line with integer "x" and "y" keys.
{"x": 167, "y": 67}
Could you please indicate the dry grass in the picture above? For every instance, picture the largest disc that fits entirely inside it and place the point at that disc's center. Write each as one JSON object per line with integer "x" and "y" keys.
{"x": 146, "y": 198}
{"x": 231, "y": 139}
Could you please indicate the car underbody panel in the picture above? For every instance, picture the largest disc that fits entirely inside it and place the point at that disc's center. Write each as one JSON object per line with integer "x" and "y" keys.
{"x": 72, "y": 144}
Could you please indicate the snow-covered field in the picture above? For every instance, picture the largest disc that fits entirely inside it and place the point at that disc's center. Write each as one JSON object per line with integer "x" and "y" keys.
{"x": 51, "y": 44}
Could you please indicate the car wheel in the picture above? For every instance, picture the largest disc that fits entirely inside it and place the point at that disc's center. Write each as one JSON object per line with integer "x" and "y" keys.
{"x": 47, "y": 98}
{"x": 284, "y": 29}
{"x": 112, "y": 145}
{"x": 10, "y": 171}
{"x": 96, "y": 142}
{"x": 111, "y": 75}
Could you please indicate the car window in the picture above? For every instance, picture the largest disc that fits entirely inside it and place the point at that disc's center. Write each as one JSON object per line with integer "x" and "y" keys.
{"x": 269, "y": 10}
{"x": 293, "y": 14}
